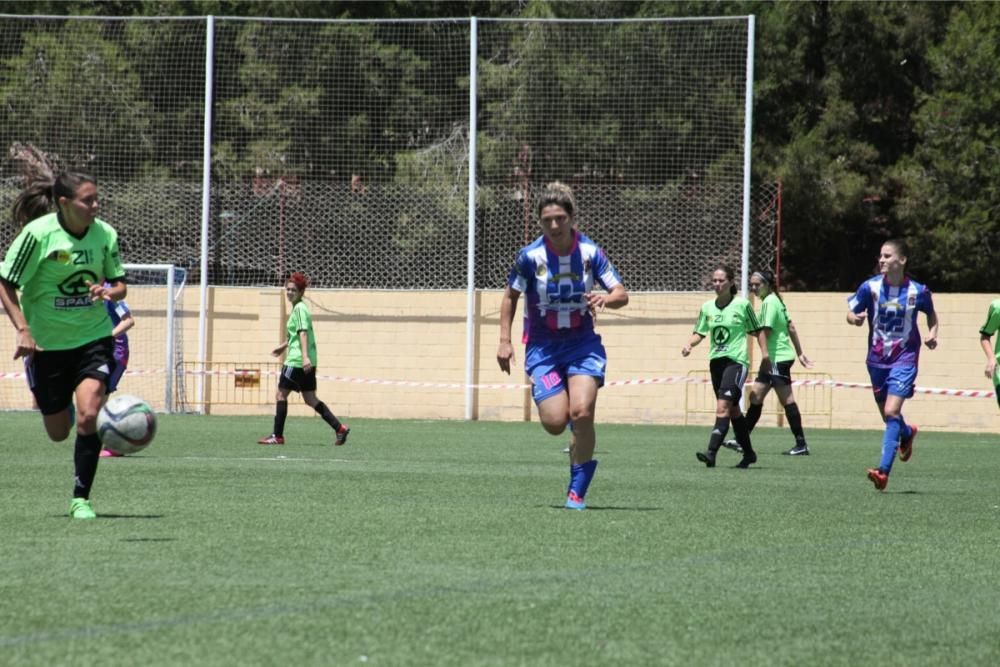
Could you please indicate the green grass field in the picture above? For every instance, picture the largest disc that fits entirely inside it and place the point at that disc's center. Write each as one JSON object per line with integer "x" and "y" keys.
{"x": 444, "y": 543}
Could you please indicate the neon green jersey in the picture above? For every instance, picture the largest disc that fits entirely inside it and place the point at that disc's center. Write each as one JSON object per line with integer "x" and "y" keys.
{"x": 52, "y": 267}
{"x": 774, "y": 316}
{"x": 990, "y": 328}
{"x": 300, "y": 320}
{"x": 727, "y": 328}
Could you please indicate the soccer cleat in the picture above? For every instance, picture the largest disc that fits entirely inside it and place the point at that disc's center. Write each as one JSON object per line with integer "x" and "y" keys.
{"x": 798, "y": 450}
{"x": 342, "y": 435}
{"x": 574, "y": 502}
{"x": 749, "y": 458}
{"x": 733, "y": 445}
{"x": 906, "y": 445}
{"x": 707, "y": 457}
{"x": 878, "y": 478}
{"x": 105, "y": 453}
{"x": 80, "y": 509}
{"x": 273, "y": 440}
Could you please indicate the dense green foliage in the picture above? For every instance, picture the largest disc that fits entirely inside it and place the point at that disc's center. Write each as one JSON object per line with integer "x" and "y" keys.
{"x": 444, "y": 543}
{"x": 879, "y": 118}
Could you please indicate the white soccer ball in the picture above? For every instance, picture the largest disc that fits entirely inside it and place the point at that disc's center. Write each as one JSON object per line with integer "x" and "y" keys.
{"x": 126, "y": 424}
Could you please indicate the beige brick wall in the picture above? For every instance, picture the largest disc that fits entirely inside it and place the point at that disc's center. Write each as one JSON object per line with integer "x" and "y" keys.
{"x": 399, "y": 340}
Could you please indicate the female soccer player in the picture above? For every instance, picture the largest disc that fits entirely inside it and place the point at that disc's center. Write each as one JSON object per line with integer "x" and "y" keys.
{"x": 299, "y": 371}
{"x": 890, "y": 302}
{"x": 61, "y": 263}
{"x": 122, "y": 321}
{"x": 563, "y": 354}
{"x": 728, "y": 319}
{"x": 992, "y": 355}
{"x": 781, "y": 339}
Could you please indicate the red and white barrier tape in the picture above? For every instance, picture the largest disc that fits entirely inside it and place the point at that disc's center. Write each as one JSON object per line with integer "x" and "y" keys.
{"x": 678, "y": 379}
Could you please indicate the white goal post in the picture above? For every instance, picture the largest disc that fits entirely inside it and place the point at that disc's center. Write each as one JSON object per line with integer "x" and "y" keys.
{"x": 155, "y": 369}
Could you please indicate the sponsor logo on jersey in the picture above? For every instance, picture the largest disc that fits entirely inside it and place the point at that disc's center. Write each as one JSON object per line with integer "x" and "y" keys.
{"x": 541, "y": 270}
{"x": 65, "y": 302}
{"x": 75, "y": 291}
{"x": 60, "y": 256}
{"x": 720, "y": 336}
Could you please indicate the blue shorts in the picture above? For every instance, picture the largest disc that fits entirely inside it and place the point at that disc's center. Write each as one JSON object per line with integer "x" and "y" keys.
{"x": 898, "y": 381}
{"x": 551, "y": 364}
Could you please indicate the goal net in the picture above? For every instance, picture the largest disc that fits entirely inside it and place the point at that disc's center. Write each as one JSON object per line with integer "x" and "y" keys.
{"x": 156, "y": 342}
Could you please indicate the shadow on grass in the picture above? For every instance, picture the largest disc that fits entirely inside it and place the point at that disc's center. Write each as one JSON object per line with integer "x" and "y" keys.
{"x": 607, "y": 508}
{"x": 114, "y": 516}
{"x": 149, "y": 539}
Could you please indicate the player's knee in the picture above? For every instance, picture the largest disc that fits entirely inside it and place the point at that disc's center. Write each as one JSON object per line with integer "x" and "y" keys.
{"x": 553, "y": 427}
{"x": 582, "y": 415}
{"x": 57, "y": 433}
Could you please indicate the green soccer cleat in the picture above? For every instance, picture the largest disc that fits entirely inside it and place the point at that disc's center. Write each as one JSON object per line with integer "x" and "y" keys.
{"x": 80, "y": 509}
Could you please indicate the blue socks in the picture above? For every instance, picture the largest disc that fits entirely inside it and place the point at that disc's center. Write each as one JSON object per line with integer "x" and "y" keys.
{"x": 895, "y": 429}
{"x": 580, "y": 476}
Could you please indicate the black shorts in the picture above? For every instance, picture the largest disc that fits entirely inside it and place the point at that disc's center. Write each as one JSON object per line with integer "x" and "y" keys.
{"x": 728, "y": 377}
{"x": 54, "y": 375}
{"x": 783, "y": 377}
{"x": 296, "y": 379}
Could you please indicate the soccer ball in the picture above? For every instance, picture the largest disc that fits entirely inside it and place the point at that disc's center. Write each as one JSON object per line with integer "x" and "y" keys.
{"x": 126, "y": 424}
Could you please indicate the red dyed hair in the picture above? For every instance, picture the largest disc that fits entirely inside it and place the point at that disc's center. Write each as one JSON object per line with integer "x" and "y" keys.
{"x": 300, "y": 281}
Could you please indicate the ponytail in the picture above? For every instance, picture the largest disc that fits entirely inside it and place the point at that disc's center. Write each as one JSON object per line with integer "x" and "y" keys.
{"x": 34, "y": 201}
{"x": 42, "y": 195}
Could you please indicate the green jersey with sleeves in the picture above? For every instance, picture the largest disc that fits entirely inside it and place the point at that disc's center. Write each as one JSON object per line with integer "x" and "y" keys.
{"x": 727, "y": 328}
{"x": 52, "y": 268}
{"x": 300, "y": 320}
{"x": 990, "y": 328}
{"x": 774, "y": 316}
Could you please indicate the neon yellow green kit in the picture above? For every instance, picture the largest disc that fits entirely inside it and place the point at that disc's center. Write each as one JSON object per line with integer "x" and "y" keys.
{"x": 727, "y": 328}
{"x": 989, "y": 329}
{"x": 774, "y": 316}
{"x": 300, "y": 320}
{"x": 52, "y": 268}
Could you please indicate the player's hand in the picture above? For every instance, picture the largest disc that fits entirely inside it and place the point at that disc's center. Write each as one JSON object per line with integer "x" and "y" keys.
{"x": 931, "y": 342}
{"x": 98, "y": 292}
{"x": 804, "y": 360}
{"x": 991, "y": 367}
{"x": 686, "y": 350}
{"x": 505, "y": 356}
{"x": 307, "y": 366}
{"x": 596, "y": 302}
{"x": 857, "y": 319}
{"x": 25, "y": 345}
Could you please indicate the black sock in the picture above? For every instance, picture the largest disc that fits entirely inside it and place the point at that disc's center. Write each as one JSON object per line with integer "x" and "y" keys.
{"x": 719, "y": 432}
{"x": 742, "y": 430}
{"x": 280, "y": 414}
{"x": 86, "y": 455}
{"x": 795, "y": 422}
{"x": 327, "y": 416}
{"x": 753, "y": 415}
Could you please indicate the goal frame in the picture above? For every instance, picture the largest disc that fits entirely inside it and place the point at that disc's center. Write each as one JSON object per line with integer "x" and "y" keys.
{"x": 171, "y": 322}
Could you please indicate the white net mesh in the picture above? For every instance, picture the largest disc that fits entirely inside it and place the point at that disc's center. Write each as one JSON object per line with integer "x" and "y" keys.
{"x": 156, "y": 342}
{"x": 644, "y": 119}
{"x": 340, "y": 149}
{"x": 123, "y": 100}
